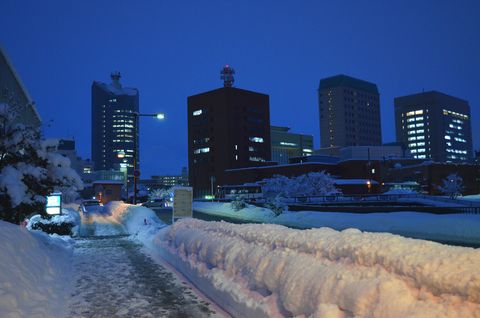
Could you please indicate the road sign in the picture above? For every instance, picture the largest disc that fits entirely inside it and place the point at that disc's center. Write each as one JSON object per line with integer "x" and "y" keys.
{"x": 54, "y": 204}
{"x": 182, "y": 202}
{"x": 136, "y": 173}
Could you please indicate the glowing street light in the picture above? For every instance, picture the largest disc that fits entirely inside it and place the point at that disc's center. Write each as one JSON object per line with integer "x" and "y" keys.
{"x": 136, "y": 173}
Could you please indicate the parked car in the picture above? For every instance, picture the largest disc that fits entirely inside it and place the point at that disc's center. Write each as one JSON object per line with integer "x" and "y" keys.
{"x": 90, "y": 206}
{"x": 155, "y": 203}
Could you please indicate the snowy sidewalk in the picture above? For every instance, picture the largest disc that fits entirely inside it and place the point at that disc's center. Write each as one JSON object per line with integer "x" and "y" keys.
{"x": 113, "y": 278}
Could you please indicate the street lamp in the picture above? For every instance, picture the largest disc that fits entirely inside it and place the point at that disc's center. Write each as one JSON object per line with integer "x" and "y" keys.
{"x": 136, "y": 173}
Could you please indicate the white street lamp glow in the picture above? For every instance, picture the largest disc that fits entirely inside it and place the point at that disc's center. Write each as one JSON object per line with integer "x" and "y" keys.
{"x": 160, "y": 116}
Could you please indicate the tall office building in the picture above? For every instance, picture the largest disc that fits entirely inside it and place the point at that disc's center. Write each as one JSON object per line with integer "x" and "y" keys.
{"x": 113, "y": 125}
{"x": 15, "y": 94}
{"x": 227, "y": 128}
{"x": 286, "y": 145}
{"x": 433, "y": 125}
{"x": 349, "y": 112}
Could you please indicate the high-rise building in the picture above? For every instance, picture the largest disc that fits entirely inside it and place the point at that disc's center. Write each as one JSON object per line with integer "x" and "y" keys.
{"x": 286, "y": 145}
{"x": 349, "y": 112}
{"x": 15, "y": 94}
{"x": 435, "y": 126}
{"x": 113, "y": 126}
{"x": 227, "y": 128}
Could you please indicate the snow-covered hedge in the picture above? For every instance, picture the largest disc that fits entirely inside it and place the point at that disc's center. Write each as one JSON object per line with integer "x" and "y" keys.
{"x": 255, "y": 270}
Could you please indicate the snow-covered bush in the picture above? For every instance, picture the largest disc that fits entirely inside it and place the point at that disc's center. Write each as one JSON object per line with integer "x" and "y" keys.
{"x": 29, "y": 170}
{"x": 277, "y": 205}
{"x": 452, "y": 185}
{"x": 239, "y": 203}
{"x": 310, "y": 184}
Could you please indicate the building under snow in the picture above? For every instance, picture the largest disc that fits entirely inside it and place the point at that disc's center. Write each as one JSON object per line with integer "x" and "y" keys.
{"x": 15, "y": 94}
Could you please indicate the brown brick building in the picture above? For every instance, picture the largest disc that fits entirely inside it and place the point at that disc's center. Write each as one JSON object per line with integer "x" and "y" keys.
{"x": 227, "y": 128}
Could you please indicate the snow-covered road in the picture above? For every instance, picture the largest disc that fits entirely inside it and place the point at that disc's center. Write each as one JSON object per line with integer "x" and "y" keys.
{"x": 114, "y": 278}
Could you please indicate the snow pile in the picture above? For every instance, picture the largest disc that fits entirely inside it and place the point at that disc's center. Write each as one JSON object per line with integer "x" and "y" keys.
{"x": 453, "y": 228}
{"x": 119, "y": 218}
{"x": 34, "y": 269}
{"x": 271, "y": 271}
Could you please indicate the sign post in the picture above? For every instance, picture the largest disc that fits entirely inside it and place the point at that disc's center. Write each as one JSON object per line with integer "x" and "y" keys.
{"x": 182, "y": 203}
{"x": 54, "y": 204}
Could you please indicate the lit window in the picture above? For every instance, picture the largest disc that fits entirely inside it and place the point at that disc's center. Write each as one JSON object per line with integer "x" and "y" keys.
{"x": 420, "y": 137}
{"x": 201, "y": 150}
{"x": 412, "y": 138}
{"x": 448, "y": 137}
{"x": 197, "y": 112}
{"x": 421, "y": 131}
{"x": 421, "y": 157}
{"x": 283, "y": 143}
{"x": 307, "y": 150}
{"x": 419, "y": 112}
{"x": 256, "y": 139}
{"x": 421, "y": 150}
{"x": 256, "y": 159}
{"x": 419, "y": 125}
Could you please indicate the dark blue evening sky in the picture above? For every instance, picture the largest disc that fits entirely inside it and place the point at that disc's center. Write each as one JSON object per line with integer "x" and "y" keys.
{"x": 172, "y": 49}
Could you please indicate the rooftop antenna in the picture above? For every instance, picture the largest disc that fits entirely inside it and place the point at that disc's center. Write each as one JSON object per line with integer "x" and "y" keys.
{"x": 226, "y": 74}
{"x": 115, "y": 76}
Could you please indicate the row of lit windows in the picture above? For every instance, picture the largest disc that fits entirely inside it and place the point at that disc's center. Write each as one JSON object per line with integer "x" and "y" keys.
{"x": 419, "y": 137}
{"x": 455, "y": 114}
{"x": 415, "y": 125}
{"x": 256, "y": 159}
{"x": 415, "y": 112}
{"x": 455, "y": 127}
{"x": 413, "y": 132}
{"x": 418, "y": 144}
{"x": 455, "y": 157}
{"x": 201, "y": 150}
{"x": 457, "y": 151}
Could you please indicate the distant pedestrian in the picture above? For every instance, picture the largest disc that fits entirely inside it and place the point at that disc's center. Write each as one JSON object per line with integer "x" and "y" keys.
{"x": 144, "y": 221}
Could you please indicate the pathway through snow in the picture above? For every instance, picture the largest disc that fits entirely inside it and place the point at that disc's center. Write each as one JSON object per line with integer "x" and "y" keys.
{"x": 113, "y": 278}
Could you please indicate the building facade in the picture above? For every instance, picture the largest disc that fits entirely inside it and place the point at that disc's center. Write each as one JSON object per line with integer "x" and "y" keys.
{"x": 349, "y": 112}
{"x": 286, "y": 145}
{"x": 434, "y": 126}
{"x": 15, "y": 94}
{"x": 114, "y": 126}
{"x": 227, "y": 128}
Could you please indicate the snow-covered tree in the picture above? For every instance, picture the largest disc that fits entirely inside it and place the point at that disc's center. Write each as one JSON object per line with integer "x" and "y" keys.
{"x": 161, "y": 194}
{"x": 310, "y": 184}
{"x": 275, "y": 186}
{"x": 452, "y": 185}
{"x": 29, "y": 170}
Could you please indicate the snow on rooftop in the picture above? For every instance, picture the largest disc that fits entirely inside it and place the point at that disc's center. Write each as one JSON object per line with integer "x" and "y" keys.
{"x": 265, "y": 270}
{"x": 118, "y": 90}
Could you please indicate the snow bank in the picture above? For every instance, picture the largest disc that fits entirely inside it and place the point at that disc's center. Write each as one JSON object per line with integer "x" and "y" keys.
{"x": 455, "y": 228}
{"x": 34, "y": 273}
{"x": 255, "y": 270}
{"x": 119, "y": 218}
